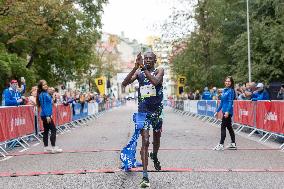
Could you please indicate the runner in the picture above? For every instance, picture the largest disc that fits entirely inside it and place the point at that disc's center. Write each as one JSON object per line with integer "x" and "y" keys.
{"x": 226, "y": 105}
{"x": 44, "y": 101}
{"x": 150, "y": 97}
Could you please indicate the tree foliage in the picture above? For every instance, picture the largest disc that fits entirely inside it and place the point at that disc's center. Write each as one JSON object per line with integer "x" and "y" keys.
{"x": 57, "y": 36}
{"x": 218, "y": 45}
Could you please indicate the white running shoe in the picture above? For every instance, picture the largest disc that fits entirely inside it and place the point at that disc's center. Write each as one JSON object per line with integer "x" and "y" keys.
{"x": 47, "y": 149}
{"x": 219, "y": 147}
{"x": 56, "y": 149}
{"x": 232, "y": 146}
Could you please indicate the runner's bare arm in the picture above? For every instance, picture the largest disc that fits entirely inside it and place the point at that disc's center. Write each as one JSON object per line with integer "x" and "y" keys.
{"x": 155, "y": 80}
{"x": 134, "y": 73}
{"x": 130, "y": 77}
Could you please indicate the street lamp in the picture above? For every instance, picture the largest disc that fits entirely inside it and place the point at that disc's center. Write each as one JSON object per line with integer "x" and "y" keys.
{"x": 248, "y": 33}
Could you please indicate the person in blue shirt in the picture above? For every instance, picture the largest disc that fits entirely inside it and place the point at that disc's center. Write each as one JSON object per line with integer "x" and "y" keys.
{"x": 226, "y": 105}
{"x": 206, "y": 95}
{"x": 44, "y": 101}
{"x": 12, "y": 95}
{"x": 261, "y": 93}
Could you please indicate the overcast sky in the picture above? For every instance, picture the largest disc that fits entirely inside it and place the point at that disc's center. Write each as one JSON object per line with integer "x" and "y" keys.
{"x": 136, "y": 18}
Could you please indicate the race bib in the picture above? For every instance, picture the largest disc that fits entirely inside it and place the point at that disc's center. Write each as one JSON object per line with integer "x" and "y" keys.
{"x": 147, "y": 91}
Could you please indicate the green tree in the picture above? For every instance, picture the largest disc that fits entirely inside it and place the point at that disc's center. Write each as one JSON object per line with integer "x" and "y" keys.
{"x": 58, "y": 36}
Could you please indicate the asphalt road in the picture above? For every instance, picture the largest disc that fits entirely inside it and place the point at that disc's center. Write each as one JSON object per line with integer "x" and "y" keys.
{"x": 185, "y": 145}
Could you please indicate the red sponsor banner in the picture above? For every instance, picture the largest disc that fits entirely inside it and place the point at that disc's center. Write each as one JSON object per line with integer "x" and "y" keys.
{"x": 243, "y": 112}
{"x": 270, "y": 116}
{"x": 16, "y": 122}
{"x": 54, "y": 117}
{"x": 63, "y": 114}
{"x": 219, "y": 114}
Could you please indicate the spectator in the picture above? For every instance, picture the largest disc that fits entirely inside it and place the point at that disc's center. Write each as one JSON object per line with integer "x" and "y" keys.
{"x": 261, "y": 93}
{"x": 13, "y": 97}
{"x": 219, "y": 93}
{"x": 197, "y": 95}
{"x": 280, "y": 95}
{"x": 32, "y": 97}
{"x": 214, "y": 93}
{"x": 206, "y": 94}
{"x": 190, "y": 96}
{"x": 82, "y": 100}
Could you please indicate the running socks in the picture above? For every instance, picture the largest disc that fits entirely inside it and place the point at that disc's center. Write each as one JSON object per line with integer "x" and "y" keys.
{"x": 145, "y": 174}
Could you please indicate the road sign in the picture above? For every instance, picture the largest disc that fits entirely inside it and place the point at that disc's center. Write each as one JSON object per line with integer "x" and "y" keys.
{"x": 101, "y": 84}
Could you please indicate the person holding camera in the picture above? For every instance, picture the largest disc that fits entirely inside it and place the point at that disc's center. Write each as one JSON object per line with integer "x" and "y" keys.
{"x": 12, "y": 95}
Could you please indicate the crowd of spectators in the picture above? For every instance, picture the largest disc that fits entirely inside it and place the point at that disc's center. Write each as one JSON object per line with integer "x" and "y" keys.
{"x": 16, "y": 95}
{"x": 249, "y": 91}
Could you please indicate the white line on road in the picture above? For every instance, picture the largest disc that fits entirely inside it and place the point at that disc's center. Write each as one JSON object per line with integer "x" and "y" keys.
{"x": 6, "y": 158}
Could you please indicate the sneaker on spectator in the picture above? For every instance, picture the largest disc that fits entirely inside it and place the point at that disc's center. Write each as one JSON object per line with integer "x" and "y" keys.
{"x": 232, "y": 146}
{"x": 56, "y": 149}
{"x": 47, "y": 149}
{"x": 219, "y": 147}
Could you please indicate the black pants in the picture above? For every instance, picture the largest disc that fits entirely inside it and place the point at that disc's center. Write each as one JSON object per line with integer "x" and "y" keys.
{"x": 49, "y": 126}
{"x": 227, "y": 123}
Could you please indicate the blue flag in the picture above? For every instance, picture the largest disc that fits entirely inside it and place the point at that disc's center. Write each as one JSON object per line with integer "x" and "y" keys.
{"x": 127, "y": 155}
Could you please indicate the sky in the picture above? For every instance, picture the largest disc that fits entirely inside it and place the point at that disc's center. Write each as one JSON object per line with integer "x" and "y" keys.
{"x": 136, "y": 18}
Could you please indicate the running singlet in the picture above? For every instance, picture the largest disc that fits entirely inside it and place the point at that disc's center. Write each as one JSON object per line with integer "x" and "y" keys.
{"x": 150, "y": 97}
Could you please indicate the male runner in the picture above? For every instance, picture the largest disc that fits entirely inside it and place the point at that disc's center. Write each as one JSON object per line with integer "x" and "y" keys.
{"x": 150, "y": 97}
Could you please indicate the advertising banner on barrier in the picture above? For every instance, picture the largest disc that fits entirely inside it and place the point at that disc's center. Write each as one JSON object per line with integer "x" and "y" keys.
{"x": 179, "y": 105}
{"x": 16, "y": 122}
{"x": 193, "y": 106}
{"x": 201, "y": 107}
{"x": 186, "y": 106}
{"x": 92, "y": 108}
{"x": 244, "y": 112}
{"x": 54, "y": 117}
{"x": 80, "y": 111}
{"x": 85, "y": 110}
{"x": 97, "y": 107}
{"x": 63, "y": 114}
{"x": 270, "y": 116}
{"x": 211, "y": 106}
{"x": 77, "y": 109}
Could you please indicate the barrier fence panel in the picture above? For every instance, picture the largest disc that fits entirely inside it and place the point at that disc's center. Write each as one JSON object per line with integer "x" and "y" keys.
{"x": 85, "y": 110}
{"x": 265, "y": 115}
{"x": 270, "y": 116}
{"x": 16, "y": 122}
{"x": 63, "y": 114}
{"x": 77, "y": 111}
{"x": 92, "y": 108}
{"x": 211, "y": 107}
{"x": 201, "y": 107}
{"x": 193, "y": 106}
{"x": 179, "y": 105}
{"x": 187, "y": 105}
{"x": 244, "y": 112}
